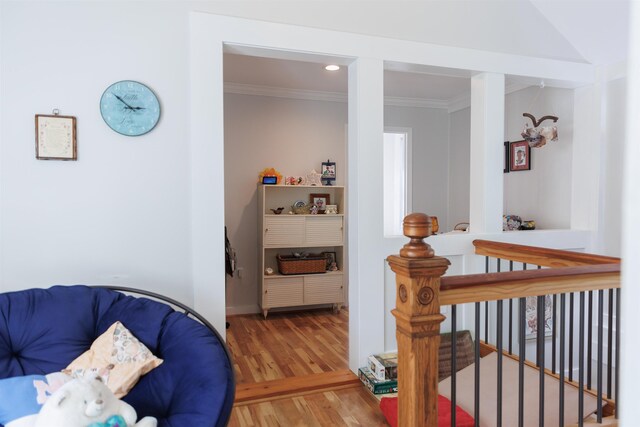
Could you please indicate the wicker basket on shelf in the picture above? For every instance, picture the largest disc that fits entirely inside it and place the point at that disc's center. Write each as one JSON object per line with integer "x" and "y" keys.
{"x": 312, "y": 263}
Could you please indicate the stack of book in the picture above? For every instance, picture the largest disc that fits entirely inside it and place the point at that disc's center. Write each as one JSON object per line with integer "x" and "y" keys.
{"x": 381, "y": 375}
{"x": 375, "y": 385}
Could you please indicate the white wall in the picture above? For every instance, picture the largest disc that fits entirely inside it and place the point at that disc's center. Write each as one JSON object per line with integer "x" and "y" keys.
{"x": 459, "y": 151}
{"x": 147, "y": 209}
{"x": 293, "y": 136}
{"x": 542, "y": 194}
{"x": 430, "y": 142}
{"x": 120, "y": 214}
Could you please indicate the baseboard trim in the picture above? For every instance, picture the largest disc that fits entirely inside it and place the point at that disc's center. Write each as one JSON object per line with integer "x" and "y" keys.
{"x": 243, "y": 309}
{"x": 295, "y": 386}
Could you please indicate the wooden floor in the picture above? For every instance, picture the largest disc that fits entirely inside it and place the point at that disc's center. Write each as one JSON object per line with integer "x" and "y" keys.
{"x": 292, "y": 370}
{"x": 287, "y": 345}
{"x": 346, "y": 407}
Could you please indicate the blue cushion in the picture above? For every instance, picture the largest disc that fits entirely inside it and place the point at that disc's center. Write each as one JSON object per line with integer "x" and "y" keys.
{"x": 24, "y": 396}
{"x": 43, "y": 330}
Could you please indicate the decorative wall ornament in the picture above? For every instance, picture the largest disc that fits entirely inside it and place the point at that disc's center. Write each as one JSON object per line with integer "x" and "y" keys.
{"x": 538, "y": 136}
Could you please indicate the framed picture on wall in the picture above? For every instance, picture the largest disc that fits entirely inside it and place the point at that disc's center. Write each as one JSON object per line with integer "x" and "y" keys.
{"x": 55, "y": 137}
{"x": 519, "y": 156}
{"x": 506, "y": 157}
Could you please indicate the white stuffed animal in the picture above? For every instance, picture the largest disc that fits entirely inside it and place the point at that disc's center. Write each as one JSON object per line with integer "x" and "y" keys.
{"x": 85, "y": 402}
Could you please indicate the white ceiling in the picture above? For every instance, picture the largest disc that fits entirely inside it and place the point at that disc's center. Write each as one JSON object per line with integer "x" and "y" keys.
{"x": 308, "y": 76}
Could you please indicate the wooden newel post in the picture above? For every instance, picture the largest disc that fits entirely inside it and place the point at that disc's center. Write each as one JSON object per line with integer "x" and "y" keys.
{"x": 418, "y": 320}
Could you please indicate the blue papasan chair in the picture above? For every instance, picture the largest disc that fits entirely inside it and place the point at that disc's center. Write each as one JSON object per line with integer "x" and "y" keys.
{"x": 43, "y": 330}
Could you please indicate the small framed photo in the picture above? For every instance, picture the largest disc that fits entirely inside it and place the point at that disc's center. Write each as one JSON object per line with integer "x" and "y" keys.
{"x": 328, "y": 172}
{"x": 55, "y": 137}
{"x": 331, "y": 259}
{"x": 320, "y": 200}
{"x": 519, "y": 156}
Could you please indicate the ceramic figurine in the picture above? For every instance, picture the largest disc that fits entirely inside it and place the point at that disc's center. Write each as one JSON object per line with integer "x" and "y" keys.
{"x": 277, "y": 211}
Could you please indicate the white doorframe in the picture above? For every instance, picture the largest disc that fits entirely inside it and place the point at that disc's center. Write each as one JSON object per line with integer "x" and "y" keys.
{"x": 366, "y": 57}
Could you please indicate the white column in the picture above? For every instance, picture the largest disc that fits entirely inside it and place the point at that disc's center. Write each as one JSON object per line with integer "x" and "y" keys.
{"x": 630, "y": 345}
{"x": 365, "y": 220}
{"x": 207, "y": 175}
{"x": 487, "y": 153}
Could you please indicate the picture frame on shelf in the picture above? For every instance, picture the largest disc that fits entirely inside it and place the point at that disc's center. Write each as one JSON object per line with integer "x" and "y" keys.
{"x": 328, "y": 172}
{"x": 55, "y": 137}
{"x": 519, "y": 156}
{"x": 331, "y": 258}
{"x": 321, "y": 200}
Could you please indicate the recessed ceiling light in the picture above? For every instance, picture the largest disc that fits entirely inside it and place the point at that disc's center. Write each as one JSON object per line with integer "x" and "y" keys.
{"x": 332, "y": 67}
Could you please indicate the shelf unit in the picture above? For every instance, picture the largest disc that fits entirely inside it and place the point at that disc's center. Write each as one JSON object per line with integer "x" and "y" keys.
{"x": 285, "y": 233}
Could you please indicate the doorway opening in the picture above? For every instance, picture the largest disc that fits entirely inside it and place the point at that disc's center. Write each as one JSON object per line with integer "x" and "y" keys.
{"x": 290, "y": 116}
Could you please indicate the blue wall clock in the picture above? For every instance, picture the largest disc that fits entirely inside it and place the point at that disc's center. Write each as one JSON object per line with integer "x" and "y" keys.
{"x": 130, "y": 108}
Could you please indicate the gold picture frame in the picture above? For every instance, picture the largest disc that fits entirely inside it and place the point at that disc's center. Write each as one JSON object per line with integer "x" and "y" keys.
{"x": 55, "y": 137}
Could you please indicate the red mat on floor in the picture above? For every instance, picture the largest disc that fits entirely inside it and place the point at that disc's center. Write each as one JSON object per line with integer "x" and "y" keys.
{"x": 389, "y": 406}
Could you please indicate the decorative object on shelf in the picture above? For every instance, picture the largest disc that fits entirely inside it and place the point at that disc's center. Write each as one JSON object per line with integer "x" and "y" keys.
{"x": 269, "y": 180}
{"x": 268, "y": 271}
{"x": 314, "y": 210}
{"x": 269, "y": 173}
{"x": 332, "y": 264}
{"x": 528, "y": 225}
{"x": 313, "y": 178}
{"x": 294, "y": 180}
{"x": 300, "y": 207}
{"x": 434, "y": 225}
{"x": 55, "y": 137}
{"x": 328, "y": 172}
{"x": 511, "y": 222}
{"x": 461, "y": 226}
{"x": 130, "y": 108}
{"x": 309, "y": 264}
{"x": 331, "y": 209}
{"x": 319, "y": 200}
{"x": 277, "y": 211}
{"x": 519, "y": 156}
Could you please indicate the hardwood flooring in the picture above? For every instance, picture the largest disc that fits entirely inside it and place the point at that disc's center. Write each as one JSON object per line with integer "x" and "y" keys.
{"x": 287, "y": 345}
{"x": 292, "y": 370}
{"x": 347, "y": 407}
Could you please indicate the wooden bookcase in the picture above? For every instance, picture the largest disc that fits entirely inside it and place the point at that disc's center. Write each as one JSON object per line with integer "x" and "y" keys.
{"x": 286, "y": 233}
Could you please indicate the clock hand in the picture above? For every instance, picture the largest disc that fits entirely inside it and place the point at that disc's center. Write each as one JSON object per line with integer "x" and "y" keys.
{"x": 124, "y": 102}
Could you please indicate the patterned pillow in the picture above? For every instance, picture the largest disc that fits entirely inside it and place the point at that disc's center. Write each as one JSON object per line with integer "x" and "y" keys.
{"x": 22, "y": 397}
{"x": 119, "y": 357}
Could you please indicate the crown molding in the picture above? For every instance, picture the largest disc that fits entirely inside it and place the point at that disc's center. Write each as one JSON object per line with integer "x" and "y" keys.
{"x": 451, "y": 105}
{"x": 397, "y": 101}
{"x": 280, "y": 92}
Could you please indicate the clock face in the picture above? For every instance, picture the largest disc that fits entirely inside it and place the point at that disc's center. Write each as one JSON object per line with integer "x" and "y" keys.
{"x": 130, "y": 108}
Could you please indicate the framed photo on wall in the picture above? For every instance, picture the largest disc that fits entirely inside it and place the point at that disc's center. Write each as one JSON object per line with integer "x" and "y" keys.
{"x": 519, "y": 156}
{"x": 55, "y": 137}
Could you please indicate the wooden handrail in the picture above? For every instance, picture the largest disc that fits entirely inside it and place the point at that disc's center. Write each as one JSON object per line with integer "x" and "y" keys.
{"x": 539, "y": 256}
{"x": 421, "y": 291}
{"x": 519, "y": 284}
